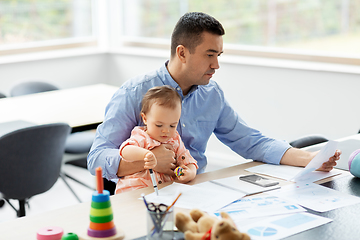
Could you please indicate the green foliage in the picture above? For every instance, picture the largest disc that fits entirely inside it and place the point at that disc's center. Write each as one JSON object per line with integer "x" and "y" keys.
{"x": 258, "y": 22}
{"x": 36, "y": 20}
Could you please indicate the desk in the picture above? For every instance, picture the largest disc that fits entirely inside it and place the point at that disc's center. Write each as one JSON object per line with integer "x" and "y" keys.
{"x": 130, "y": 213}
{"x": 81, "y": 107}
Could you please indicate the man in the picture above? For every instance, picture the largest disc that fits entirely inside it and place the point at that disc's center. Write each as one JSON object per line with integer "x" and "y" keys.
{"x": 196, "y": 44}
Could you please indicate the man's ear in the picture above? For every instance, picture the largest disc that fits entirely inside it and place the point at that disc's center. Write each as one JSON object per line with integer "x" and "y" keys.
{"x": 181, "y": 52}
{"x": 143, "y": 116}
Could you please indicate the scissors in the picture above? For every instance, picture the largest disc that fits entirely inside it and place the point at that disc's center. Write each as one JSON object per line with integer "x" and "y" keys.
{"x": 160, "y": 208}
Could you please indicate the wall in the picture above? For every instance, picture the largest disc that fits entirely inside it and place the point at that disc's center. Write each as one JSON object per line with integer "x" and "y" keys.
{"x": 64, "y": 72}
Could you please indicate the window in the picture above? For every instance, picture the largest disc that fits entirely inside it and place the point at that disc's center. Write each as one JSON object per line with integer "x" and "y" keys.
{"x": 269, "y": 28}
{"x": 45, "y": 23}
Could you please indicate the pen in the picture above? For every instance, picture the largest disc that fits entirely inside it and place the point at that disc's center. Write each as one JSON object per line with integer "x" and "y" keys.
{"x": 153, "y": 181}
{"x": 168, "y": 208}
{"x": 146, "y": 204}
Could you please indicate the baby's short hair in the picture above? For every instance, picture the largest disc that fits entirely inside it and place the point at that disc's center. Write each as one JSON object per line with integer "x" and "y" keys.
{"x": 165, "y": 96}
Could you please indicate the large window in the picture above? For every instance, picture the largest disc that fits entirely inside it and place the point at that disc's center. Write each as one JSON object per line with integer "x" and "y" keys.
{"x": 29, "y": 22}
{"x": 322, "y": 27}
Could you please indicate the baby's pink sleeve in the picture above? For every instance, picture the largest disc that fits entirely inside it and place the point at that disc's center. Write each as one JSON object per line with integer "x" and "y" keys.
{"x": 183, "y": 155}
{"x": 135, "y": 140}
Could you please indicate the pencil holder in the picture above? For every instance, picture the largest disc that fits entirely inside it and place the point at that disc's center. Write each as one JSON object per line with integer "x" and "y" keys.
{"x": 160, "y": 225}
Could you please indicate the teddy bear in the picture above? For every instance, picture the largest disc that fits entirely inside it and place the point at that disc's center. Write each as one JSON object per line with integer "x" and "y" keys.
{"x": 202, "y": 226}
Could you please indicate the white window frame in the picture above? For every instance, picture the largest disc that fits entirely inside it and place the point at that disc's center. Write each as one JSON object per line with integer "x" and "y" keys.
{"x": 97, "y": 41}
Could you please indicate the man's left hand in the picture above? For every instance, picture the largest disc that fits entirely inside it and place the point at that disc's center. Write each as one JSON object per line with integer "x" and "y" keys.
{"x": 331, "y": 163}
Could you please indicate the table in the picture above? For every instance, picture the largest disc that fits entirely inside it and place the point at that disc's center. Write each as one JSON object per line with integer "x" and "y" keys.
{"x": 82, "y": 108}
{"x": 130, "y": 212}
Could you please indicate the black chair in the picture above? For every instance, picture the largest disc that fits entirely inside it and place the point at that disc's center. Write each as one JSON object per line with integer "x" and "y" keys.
{"x": 30, "y": 87}
{"x": 77, "y": 144}
{"x": 308, "y": 141}
{"x": 30, "y": 161}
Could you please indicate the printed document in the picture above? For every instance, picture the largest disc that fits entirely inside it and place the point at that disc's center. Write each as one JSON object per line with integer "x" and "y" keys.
{"x": 259, "y": 206}
{"x": 238, "y": 185}
{"x": 315, "y": 197}
{"x": 278, "y": 227}
{"x": 300, "y": 174}
{"x": 205, "y": 197}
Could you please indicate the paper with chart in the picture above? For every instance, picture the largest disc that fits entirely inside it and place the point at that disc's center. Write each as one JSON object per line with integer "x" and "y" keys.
{"x": 300, "y": 174}
{"x": 325, "y": 153}
{"x": 281, "y": 226}
{"x": 204, "y": 197}
{"x": 259, "y": 206}
{"x": 238, "y": 185}
{"x": 287, "y": 172}
{"x": 315, "y": 197}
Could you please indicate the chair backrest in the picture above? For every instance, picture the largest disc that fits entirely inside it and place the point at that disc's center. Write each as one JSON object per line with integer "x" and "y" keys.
{"x": 31, "y": 87}
{"x": 308, "y": 141}
{"x": 30, "y": 159}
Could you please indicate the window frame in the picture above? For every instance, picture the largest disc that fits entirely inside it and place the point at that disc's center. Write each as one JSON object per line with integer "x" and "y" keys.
{"x": 252, "y": 51}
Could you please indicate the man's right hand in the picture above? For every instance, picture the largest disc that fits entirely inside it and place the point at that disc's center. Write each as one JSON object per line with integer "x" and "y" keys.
{"x": 166, "y": 161}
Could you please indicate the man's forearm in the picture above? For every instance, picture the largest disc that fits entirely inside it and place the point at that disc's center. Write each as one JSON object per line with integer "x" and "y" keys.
{"x": 128, "y": 168}
{"x": 297, "y": 157}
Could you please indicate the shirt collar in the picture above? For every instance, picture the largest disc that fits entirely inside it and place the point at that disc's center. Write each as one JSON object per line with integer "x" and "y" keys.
{"x": 168, "y": 80}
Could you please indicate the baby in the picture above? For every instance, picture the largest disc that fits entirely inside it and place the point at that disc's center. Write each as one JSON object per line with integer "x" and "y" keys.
{"x": 160, "y": 112}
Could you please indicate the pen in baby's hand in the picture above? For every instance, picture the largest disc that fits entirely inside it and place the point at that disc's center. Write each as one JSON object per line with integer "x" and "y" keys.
{"x": 153, "y": 181}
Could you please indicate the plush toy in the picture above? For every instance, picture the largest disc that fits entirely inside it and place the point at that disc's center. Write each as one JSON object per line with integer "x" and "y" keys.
{"x": 202, "y": 226}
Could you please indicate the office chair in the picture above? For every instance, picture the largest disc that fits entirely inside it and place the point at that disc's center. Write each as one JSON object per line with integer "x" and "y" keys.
{"x": 29, "y": 87}
{"x": 77, "y": 144}
{"x": 30, "y": 160}
{"x": 308, "y": 141}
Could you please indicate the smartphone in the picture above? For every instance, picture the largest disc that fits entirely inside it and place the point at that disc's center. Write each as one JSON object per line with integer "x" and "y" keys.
{"x": 258, "y": 180}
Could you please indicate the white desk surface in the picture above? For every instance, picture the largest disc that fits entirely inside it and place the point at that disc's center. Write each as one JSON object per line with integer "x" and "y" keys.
{"x": 79, "y": 106}
{"x": 129, "y": 211}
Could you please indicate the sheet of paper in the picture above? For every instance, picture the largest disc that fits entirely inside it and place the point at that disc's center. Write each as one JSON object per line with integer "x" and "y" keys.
{"x": 315, "y": 197}
{"x": 236, "y": 184}
{"x": 280, "y": 171}
{"x": 204, "y": 197}
{"x": 256, "y": 206}
{"x": 288, "y": 172}
{"x": 325, "y": 153}
{"x": 281, "y": 226}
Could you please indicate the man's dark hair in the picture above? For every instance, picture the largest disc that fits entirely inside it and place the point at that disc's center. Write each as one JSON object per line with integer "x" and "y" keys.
{"x": 188, "y": 30}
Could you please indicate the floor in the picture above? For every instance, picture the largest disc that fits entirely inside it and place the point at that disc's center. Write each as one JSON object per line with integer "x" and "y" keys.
{"x": 60, "y": 196}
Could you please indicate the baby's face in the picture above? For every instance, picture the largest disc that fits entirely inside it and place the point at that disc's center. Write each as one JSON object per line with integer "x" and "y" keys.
{"x": 161, "y": 122}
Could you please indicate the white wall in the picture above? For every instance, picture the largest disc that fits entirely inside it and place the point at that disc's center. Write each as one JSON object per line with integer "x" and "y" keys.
{"x": 283, "y": 103}
{"x": 64, "y": 72}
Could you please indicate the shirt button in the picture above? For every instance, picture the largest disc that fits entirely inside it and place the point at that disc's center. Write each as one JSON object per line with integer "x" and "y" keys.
{"x": 160, "y": 182}
{"x": 183, "y": 125}
{"x": 178, "y": 88}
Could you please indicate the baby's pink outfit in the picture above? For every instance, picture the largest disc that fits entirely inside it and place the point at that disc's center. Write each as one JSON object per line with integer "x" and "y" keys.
{"x": 142, "y": 179}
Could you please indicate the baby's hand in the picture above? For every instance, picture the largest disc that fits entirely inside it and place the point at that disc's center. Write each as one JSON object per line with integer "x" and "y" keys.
{"x": 188, "y": 174}
{"x": 150, "y": 160}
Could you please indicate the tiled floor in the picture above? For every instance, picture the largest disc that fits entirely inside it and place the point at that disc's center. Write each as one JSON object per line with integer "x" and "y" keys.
{"x": 60, "y": 196}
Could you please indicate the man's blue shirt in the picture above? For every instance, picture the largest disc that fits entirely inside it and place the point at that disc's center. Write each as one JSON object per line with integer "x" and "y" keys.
{"x": 204, "y": 111}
